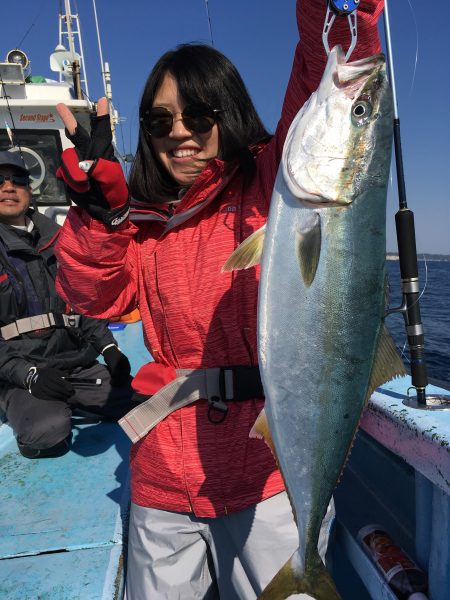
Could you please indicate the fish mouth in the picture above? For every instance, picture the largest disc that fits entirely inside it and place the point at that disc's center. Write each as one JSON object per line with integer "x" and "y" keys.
{"x": 351, "y": 76}
{"x": 366, "y": 64}
{"x": 374, "y": 60}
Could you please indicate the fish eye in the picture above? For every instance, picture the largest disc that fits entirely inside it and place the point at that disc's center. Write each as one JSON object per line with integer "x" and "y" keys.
{"x": 361, "y": 112}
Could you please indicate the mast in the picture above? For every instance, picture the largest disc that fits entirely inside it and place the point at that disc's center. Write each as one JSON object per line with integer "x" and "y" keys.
{"x": 70, "y": 36}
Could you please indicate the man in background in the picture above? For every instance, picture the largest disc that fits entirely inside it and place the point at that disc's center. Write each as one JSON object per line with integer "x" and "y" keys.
{"x": 48, "y": 355}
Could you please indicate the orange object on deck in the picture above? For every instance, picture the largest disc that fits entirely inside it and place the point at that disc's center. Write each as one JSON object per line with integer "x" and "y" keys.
{"x": 131, "y": 317}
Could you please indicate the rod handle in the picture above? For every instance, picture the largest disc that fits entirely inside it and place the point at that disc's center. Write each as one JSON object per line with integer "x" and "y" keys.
{"x": 406, "y": 241}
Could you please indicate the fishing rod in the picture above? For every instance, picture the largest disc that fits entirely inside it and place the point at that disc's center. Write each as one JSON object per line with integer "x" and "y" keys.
{"x": 407, "y": 254}
{"x": 404, "y": 222}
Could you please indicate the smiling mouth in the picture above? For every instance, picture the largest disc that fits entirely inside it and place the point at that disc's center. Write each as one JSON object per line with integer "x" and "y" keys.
{"x": 184, "y": 153}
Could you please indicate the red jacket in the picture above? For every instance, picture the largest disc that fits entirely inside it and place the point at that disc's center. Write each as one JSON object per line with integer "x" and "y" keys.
{"x": 194, "y": 315}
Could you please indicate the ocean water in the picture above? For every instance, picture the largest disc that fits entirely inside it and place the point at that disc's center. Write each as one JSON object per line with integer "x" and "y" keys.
{"x": 434, "y": 279}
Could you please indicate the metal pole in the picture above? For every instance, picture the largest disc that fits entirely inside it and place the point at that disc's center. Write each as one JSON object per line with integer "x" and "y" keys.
{"x": 102, "y": 66}
{"x": 69, "y": 28}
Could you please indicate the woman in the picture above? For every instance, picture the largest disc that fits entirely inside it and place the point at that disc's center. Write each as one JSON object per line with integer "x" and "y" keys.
{"x": 209, "y": 515}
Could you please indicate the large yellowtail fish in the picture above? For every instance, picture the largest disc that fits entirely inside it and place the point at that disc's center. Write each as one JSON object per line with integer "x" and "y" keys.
{"x": 322, "y": 344}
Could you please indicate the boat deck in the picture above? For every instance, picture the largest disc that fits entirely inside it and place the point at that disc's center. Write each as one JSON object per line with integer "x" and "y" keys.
{"x": 63, "y": 521}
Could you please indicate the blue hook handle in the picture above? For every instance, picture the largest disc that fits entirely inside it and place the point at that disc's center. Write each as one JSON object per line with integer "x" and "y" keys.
{"x": 344, "y": 7}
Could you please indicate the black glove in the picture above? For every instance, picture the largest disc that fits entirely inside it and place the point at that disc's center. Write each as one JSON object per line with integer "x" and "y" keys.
{"x": 48, "y": 384}
{"x": 118, "y": 365}
{"x": 101, "y": 190}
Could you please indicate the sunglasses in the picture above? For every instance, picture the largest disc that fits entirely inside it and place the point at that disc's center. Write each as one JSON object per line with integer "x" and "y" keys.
{"x": 199, "y": 118}
{"x": 22, "y": 180}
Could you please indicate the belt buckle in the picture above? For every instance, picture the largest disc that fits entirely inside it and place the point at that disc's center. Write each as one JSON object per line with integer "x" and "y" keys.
{"x": 71, "y": 320}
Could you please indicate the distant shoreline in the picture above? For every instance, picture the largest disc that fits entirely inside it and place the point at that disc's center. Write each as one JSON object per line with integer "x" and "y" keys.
{"x": 423, "y": 257}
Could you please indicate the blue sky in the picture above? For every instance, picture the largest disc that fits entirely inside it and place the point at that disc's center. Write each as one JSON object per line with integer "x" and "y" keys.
{"x": 259, "y": 36}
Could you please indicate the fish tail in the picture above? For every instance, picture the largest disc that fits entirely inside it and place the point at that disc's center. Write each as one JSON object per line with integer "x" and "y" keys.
{"x": 314, "y": 581}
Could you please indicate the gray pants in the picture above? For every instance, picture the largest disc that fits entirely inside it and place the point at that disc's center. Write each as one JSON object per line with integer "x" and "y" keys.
{"x": 176, "y": 556}
{"x": 42, "y": 424}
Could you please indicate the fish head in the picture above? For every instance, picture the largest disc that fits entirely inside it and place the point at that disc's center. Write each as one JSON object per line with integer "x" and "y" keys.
{"x": 340, "y": 141}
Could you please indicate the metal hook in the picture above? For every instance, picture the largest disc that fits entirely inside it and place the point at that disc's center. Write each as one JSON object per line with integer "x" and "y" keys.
{"x": 341, "y": 8}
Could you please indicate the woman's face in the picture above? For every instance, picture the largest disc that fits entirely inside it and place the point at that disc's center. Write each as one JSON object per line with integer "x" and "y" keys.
{"x": 182, "y": 152}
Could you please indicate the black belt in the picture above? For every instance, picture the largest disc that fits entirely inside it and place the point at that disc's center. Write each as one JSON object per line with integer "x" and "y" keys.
{"x": 235, "y": 384}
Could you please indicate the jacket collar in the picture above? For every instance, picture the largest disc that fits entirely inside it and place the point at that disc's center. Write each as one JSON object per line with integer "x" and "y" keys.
{"x": 211, "y": 176}
{"x": 206, "y": 187}
{"x": 211, "y": 181}
{"x": 45, "y": 230}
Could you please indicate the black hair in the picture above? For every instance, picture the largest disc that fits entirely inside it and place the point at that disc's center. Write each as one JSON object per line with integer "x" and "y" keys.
{"x": 203, "y": 74}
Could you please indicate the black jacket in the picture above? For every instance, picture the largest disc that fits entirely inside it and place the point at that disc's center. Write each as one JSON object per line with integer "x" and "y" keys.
{"x": 61, "y": 347}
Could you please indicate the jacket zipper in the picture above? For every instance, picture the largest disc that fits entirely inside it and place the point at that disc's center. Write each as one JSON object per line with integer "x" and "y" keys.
{"x": 163, "y": 309}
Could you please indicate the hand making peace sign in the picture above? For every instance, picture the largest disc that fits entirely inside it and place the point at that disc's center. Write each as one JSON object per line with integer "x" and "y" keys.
{"x": 92, "y": 173}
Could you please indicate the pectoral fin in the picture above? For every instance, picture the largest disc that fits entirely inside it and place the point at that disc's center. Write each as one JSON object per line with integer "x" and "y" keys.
{"x": 308, "y": 240}
{"x": 247, "y": 254}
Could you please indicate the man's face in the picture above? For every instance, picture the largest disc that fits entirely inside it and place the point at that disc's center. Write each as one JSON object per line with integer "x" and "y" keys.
{"x": 14, "y": 198}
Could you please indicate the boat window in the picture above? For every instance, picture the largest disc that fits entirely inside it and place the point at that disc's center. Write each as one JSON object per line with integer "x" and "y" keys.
{"x": 41, "y": 150}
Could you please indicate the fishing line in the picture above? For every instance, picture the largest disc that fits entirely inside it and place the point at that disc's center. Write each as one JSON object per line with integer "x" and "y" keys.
{"x": 413, "y": 14}
{"x": 426, "y": 278}
{"x": 403, "y": 353}
{"x": 402, "y": 350}
{"x": 31, "y": 26}
{"x": 209, "y": 22}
